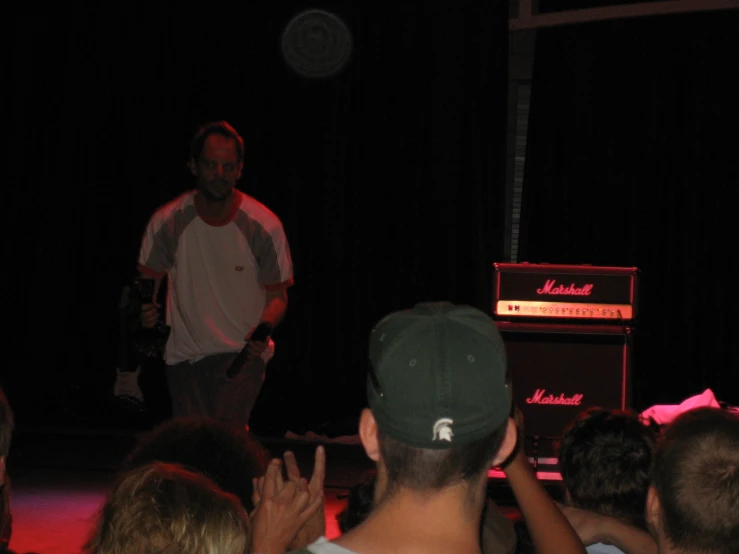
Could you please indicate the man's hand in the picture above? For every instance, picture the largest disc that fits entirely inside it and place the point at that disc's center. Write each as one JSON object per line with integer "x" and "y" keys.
{"x": 520, "y": 423}
{"x": 517, "y": 455}
{"x": 149, "y": 315}
{"x": 315, "y": 527}
{"x": 282, "y": 509}
{"x": 255, "y": 348}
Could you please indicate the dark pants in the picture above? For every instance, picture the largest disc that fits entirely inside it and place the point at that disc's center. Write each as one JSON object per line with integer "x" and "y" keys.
{"x": 202, "y": 388}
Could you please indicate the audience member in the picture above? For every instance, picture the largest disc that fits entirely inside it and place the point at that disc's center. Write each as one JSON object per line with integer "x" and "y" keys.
{"x": 438, "y": 419}
{"x": 235, "y": 461}
{"x": 164, "y": 508}
{"x": 693, "y": 503}
{"x": 497, "y": 534}
{"x": 605, "y": 460}
{"x": 227, "y": 454}
{"x": 7, "y": 426}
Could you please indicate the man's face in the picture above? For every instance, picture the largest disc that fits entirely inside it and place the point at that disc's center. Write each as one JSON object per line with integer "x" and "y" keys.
{"x": 217, "y": 169}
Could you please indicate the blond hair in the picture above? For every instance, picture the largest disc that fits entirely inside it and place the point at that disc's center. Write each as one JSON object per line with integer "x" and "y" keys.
{"x": 165, "y": 509}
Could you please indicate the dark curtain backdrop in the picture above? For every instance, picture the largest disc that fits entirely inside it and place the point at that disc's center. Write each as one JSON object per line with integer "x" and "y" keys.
{"x": 388, "y": 179}
{"x": 632, "y": 161}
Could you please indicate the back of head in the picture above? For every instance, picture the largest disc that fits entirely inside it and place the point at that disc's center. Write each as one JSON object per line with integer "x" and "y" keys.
{"x": 438, "y": 390}
{"x": 228, "y": 455}
{"x": 165, "y": 509}
{"x": 696, "y": 479}
{"x": 605, "y": 460}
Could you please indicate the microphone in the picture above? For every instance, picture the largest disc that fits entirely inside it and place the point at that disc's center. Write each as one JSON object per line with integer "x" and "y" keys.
{"x": 262, "y": 332}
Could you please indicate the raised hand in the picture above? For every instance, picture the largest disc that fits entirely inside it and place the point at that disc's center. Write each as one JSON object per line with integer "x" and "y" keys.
{"x": 315, "y": 527}
{"x": 282, "y": 509}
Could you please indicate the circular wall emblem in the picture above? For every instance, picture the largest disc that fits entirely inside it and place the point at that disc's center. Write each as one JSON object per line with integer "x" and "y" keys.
{"x": 316, "y": 44}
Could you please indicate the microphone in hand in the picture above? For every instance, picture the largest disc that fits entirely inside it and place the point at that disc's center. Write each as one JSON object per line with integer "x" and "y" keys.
{"x": 261, "y": 333}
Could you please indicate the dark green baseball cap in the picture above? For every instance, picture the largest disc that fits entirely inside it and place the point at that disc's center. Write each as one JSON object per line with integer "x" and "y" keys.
{"x": 438, "y": 375}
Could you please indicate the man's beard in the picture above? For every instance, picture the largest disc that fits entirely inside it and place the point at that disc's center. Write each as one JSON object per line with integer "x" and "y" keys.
{"x": 217, "y": 191}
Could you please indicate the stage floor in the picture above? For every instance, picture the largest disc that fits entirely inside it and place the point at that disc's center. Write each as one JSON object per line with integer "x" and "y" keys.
{"x": 54, "y": 510}
{"x": 61, "y": 477}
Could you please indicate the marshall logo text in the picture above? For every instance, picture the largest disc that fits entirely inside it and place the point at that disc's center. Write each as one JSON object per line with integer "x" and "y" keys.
{"x": 541, "y": 397}
{"x": 551, "y": 287}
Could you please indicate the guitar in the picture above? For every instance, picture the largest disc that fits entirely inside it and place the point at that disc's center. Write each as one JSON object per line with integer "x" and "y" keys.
{"x": 126, "y": 386}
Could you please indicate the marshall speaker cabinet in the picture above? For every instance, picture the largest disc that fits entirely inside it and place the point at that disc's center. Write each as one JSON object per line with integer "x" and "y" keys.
{"x": 568, "y": 332}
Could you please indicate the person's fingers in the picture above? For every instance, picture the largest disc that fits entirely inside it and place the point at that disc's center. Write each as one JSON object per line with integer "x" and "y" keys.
{"x": 319, "y": 470}
{"x": 301, "y": 498}
{"x": 272, "y": 479}
{"x": 311, "y": 507}
{"x": 279, "y": 480}
{"x": 290, "y": 495}
{"x": 256, "y": 486}
{"x": 254, "y": 349}
{"x": 291, "y": 466}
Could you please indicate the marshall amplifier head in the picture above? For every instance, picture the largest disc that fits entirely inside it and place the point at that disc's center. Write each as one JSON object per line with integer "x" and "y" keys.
{"x": 569, "y": 292}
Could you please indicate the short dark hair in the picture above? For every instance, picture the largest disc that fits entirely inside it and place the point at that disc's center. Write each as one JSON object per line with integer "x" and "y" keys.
{"x": 696, "y": 477}
{"x": 605, "y": 460}
{"x": 424, "y": 469}
{"x": 228, "y": 455}
{"x": 7, "y": 424}
{"x": 222, "y": 128}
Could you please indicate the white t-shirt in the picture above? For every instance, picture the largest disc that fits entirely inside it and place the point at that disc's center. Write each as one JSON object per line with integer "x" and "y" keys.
{"x": 219, "y": 272}
{"x": 600, "y": 548}
{"x": 324, "y": 546}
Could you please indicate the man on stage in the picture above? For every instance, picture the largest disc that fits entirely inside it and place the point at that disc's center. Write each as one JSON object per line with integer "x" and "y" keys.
{"x": 228, "y": 265}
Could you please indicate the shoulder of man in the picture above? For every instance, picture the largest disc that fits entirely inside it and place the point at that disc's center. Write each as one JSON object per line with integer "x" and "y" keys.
{"x": 167, "y": 211}
{"x": 177, "y": 203}
{"x": 254, "y": 209}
